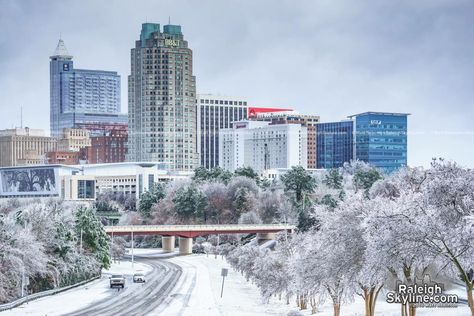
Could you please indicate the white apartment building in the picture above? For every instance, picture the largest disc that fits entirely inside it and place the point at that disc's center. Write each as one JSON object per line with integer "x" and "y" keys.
{"x": 215, "y": 112}
{"x": 262, "y": 146}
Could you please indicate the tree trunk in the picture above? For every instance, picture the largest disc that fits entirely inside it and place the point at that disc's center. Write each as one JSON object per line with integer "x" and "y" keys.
{"x": 470, "y": 300}
{"x": 303, "y": 303}
{"x": 365, "y": 296}
{"x": 313, "y": 305}
{"x": 404, "y": 310}
{"x": 370, "y": 298}
{"x": 337, "y": 309}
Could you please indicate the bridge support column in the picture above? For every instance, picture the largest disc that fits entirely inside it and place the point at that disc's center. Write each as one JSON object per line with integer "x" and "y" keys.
{"x": 262, "y": 237}
{"x": 167, "y": 243}
{"x": 185, "y": 246}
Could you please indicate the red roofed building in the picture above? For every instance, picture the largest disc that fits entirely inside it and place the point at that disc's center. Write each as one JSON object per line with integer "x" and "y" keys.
{"x": 254, "y": 111}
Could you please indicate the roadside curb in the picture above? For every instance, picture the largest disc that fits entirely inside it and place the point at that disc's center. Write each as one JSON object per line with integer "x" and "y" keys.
{"x": 35, "y": 296}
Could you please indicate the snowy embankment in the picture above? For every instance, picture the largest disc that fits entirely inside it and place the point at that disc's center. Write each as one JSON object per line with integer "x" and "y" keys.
{"x": 77, "y": 298}
{"x": 198, "y": 293}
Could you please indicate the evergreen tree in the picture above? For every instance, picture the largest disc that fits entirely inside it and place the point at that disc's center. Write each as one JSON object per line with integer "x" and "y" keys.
{"x": 149, "y": 198}
{"x": 247, "y": 172}
{"x": 365, "y": 178}
{"x": 190, "y": 203}
{"x": 200, "y": 174}
{"x": 94, "y": 238}
{"x": 333, "y": 179}
{"x": 298, "y": 181}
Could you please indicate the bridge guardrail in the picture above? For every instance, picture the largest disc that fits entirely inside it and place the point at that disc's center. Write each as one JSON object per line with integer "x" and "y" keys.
{"x": 31, "y": 297}
{"x": 171, "y": 228}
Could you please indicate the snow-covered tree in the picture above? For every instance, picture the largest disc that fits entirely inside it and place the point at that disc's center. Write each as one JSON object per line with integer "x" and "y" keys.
{"x": 250, "y": 217}
{"x": 91, "y": 233}
{"x": 446, "y": 206}
{"x": 149, "y": 198}
{"x": 190, "y": 204}
{"x": 218, "y": 202}
{"x": 299, "y": 182}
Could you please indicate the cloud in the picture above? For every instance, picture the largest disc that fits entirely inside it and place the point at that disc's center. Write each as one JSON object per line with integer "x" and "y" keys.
{"x": 332, "y": 58}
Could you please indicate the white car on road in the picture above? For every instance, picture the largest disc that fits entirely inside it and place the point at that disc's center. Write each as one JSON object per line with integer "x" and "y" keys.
{"x": 139, "y": 277}
{"x": 117, "y": 280}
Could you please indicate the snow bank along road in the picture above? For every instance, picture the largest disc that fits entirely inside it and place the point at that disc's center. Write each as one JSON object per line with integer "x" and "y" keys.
{"x": 97, "y": 298}
{"x": 138, "y": 298}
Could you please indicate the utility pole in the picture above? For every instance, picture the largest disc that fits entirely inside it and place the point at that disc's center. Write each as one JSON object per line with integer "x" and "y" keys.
{"x": 112, "y": 246}
{"x": 132, "y": 250}
{"x": 23, "y": 280}
{"x": 81, "y": 242}
{"x": 23, "y": 273}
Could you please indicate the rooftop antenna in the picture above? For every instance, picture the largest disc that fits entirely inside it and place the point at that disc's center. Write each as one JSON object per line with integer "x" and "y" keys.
{"x": 169, "y": 20}
{"x": 21, "y": 116}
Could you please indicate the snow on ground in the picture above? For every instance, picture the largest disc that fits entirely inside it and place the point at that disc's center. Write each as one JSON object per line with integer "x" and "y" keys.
{"x": 198, "y": 290}
{"x": 198, "y": 293}
{"x": 79, "y": 297}
{"x": 383, "y": 308}
{"x": 126, "y": 267}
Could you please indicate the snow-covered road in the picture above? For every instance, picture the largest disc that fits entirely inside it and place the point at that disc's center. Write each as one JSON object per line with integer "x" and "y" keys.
{"x": 138, "y": 299}
{"x": 179, "y": 285}
{"x": 184, "y": 286}
{"x": 97, "y": 298}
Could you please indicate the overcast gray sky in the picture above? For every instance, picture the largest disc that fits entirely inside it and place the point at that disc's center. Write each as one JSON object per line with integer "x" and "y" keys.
{"x": 331, "y": 58}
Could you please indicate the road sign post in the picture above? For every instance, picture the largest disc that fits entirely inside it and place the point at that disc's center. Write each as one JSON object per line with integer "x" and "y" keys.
{"x": 224, "y": 273}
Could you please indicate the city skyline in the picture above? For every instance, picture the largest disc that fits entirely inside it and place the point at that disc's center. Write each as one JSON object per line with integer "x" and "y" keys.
{"x": 331, "y": 60}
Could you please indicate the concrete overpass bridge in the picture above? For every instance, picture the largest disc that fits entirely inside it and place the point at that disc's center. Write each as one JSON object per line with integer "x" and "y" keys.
{"x": 186, "y": 233}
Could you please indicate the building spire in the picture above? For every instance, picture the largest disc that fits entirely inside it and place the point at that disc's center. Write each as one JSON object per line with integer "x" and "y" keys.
{"x": 61, "y": 50}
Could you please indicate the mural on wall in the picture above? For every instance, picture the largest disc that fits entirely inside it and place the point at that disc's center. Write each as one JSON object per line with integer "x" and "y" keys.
{"x": 31, "y": 181}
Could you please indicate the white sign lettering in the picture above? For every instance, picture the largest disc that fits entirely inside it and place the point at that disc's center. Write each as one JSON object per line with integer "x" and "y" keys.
{"x": 171, "y": 42}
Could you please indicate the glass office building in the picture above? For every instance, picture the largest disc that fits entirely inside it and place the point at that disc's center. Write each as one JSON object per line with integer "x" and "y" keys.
{"x": 381, "y": 139}
{"x": 334, "y": 144}
{"x": 79, "y": 96}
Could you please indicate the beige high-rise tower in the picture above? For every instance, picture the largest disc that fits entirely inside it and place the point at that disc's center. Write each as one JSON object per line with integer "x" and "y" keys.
{"x": 162, "y": 99}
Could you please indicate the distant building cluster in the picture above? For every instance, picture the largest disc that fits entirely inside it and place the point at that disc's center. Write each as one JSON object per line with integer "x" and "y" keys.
{"x": 171, "y": 126}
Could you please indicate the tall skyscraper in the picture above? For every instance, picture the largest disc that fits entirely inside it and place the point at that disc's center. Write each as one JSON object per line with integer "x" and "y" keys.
{"x": 381, "y": 139}
{"x": 334, "y": 144}
{"x": 214, "y": 113}
{"x": 162, "y": 99}
{"x": 81, "y": 98}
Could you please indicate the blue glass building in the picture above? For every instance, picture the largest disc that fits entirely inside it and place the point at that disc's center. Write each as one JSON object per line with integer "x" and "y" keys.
{"x": 81, "y": 97}
{"x": 381, "y": 139}
{"x": 334, "y": 144}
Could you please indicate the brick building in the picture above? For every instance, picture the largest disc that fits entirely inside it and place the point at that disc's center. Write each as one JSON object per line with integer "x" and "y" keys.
{"x": 62, "y": 157}
{"x": 108, "y": 148}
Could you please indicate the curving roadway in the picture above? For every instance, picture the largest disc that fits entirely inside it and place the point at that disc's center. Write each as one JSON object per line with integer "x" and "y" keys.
{"x": 139, "y": 298}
